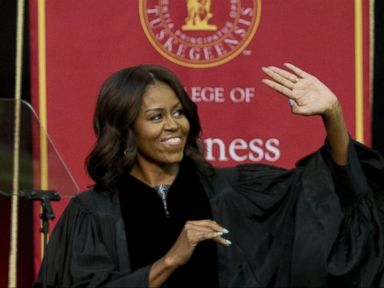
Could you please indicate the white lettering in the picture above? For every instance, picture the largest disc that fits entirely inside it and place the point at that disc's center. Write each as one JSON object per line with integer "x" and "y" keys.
{"x": 168, "y": 44}
{"x": 273, "y": 153}
{"x": 247, "y": 12}
{"x": 239, "y": 94}
{"x": 231, "y": 42}
{"x": 194, "y": 54}
{"x": 219, "y": 49}
{"x": 161, "y": 34}
{"x": 209, "y": 142}
{"x": 153, "y": 10}
{"x": 241, "y": 150}
{"x": 238, "y": 145}
{"x": 241, "y": 32}
{"x": 207, "y": 53}
{"x": 181, "y": 51}
{"x": 207, "y": 94}
{"x": 154, "y": 22}
{"x": 255, "y": 147}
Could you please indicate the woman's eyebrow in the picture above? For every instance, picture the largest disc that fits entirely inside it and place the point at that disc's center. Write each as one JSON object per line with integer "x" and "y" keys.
{"x": 151, "y": 109}
{"x": 177, "y": 104}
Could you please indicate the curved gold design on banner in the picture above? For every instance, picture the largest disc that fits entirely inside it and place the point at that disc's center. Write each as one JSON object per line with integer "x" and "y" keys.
{"x": 42, "y": 100}
{"x": 199, "y": 22}
{"x": 359, "y": 91}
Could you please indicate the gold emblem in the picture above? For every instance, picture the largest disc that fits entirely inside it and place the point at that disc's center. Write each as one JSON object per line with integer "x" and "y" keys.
{"x": 200, "y": 33}
{"x": 199, "y": 13}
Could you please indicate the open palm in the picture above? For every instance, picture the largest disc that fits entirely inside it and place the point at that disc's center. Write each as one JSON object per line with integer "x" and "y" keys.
{"x": 309, "y": 96}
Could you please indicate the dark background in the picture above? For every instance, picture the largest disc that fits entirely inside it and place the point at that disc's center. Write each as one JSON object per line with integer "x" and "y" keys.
{"x": 378, "y": 80}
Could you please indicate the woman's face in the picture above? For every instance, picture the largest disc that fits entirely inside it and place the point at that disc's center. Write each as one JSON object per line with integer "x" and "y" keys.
{"x": 161, "y": 127}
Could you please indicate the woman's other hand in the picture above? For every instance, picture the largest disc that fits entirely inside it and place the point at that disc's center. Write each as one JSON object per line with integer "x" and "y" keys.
{"x": 192, "y": 234}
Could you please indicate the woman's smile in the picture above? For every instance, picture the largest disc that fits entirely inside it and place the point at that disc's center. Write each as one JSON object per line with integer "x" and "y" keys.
{"x": 173, "y": 141}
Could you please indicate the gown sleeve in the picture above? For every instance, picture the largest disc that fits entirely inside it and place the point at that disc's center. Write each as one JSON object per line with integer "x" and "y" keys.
{"x": 352, "y": 221}
{"x": 317, "y": 225}
{"x": 358, "y": 249}
{"x": 85, "y": 250}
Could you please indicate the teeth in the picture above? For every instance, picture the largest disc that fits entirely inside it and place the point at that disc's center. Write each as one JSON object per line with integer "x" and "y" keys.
{"x": 175, "y": 140}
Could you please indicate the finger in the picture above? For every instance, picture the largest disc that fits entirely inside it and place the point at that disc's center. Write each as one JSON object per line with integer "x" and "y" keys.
{"x": 297, "y": 70}
{"x": 203, "y": 229}
{"x": 210, "y": 224}
{"x": 222, "y": 241}
{"x": 291, "y": 78}
{"x": 196, "y": 232}
{"x": 279, "y": 76}
{"x": 200, "y": 234}
{"x": 195, "y": 236}
{"x": 199, "y": 229}
{"x": 279, "y": 88}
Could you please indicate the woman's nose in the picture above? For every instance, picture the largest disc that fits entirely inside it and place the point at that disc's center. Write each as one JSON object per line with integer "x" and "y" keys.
{"x": 171, "y": 123}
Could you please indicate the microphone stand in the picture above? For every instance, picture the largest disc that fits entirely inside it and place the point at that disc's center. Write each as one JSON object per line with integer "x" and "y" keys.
{"x": 45, "y": 197}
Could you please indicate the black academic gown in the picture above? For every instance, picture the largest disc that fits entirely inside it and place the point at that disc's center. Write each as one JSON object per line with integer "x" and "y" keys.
{"x": 317, "y": 225}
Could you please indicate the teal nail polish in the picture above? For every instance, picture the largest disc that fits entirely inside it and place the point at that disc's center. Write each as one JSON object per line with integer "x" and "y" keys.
{"x": 227, "y": 242}
{"x": 225, "y": 231}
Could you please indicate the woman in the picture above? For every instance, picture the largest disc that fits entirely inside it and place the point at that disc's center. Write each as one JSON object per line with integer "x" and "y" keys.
{"x": 160, "y": 215}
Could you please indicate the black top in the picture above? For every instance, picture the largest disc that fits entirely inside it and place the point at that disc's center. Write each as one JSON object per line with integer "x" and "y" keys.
{"x": 318, "y": 225}
{"x": 151, "y": 232}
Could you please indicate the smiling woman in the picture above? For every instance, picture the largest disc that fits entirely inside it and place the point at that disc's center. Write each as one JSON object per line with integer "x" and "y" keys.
{"x": 160, "y": 214}
{"x": 161, "y": 130}
{"x": 146, "y": 101}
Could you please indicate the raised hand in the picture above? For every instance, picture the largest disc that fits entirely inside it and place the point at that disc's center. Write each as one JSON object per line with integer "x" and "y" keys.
{"x": 307, "y": 94}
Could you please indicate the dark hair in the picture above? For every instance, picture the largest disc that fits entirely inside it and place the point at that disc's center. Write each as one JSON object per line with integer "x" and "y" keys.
{"x": 117, "y": 108}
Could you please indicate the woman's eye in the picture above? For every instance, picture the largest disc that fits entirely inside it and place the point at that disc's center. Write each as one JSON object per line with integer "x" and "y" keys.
{"x": 155, "y": 117}
{"x": 178, "y": 113}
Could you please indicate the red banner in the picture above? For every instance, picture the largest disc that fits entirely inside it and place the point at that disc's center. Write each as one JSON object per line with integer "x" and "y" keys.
{"x": 217, "y": 48}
